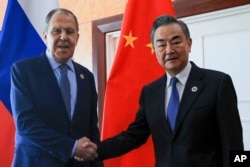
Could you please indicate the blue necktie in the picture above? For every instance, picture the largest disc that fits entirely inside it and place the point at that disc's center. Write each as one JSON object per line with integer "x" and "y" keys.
{"x": 65, "y": 88}
{"x": 173, "y": 103}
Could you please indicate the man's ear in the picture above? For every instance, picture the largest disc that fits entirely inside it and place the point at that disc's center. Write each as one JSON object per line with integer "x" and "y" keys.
{"x": 44, "y": 35}
{"x": 190, "y": 44}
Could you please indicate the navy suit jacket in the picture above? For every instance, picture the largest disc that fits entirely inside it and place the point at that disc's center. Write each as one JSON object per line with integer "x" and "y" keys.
{"x": 44, "y": 134}
{"x": 208, "y": 125}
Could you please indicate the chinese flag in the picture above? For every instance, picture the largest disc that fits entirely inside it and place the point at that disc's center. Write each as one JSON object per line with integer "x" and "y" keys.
{"x": 134, "y": 65}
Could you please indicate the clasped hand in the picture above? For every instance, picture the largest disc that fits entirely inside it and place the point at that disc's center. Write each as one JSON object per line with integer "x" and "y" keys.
{"x": 85, "y": 150}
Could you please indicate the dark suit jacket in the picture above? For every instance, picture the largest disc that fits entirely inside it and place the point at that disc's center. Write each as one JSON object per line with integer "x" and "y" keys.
{"x": 207, "y": 127}
{"x": 44, "y": 135}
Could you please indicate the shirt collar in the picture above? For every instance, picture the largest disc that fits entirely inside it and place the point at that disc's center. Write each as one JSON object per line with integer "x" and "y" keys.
{"x": 182, "y": 76}
{"x": 54, "y": 64}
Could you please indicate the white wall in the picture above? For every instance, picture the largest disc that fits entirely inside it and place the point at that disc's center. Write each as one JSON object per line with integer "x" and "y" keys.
{"x": 221, "y": 41}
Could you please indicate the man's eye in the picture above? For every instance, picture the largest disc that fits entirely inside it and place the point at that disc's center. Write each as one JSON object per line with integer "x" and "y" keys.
{"x": 56, "y": 31}
{"x": 176, "y": 42}
{"x": 161, "y": 45}
{"x": 69, "y": 32}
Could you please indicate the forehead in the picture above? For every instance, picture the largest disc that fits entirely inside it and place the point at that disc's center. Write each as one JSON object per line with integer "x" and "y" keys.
{"x": 169, "y": 31}
{"x": 62, "y": 19}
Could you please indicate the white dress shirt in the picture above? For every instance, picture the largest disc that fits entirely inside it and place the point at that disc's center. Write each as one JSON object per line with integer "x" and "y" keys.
{"x": 182, "y": 79}
{"x": 71, "y": 75}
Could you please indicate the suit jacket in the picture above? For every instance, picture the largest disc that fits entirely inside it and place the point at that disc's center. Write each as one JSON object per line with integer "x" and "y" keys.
{"x": 208, "y": 125}
{"x": 44, "y": 134}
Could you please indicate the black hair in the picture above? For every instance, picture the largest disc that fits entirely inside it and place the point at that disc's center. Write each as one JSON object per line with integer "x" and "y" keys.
{"x": 166, "y": 20}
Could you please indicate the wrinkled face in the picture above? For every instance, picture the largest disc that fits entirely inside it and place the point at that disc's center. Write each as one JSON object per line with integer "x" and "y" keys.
{"x": 172, "y": 48}
{"x": 61, "y": 37}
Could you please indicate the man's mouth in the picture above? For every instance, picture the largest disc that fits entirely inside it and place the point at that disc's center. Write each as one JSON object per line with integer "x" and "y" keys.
{"x": 63, "y": 47}
{"x": 170, "y": 59}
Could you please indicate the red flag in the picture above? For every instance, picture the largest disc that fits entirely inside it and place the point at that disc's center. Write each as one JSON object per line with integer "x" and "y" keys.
{"x": 7, "y": 131}
{"x": 135, "y": 65}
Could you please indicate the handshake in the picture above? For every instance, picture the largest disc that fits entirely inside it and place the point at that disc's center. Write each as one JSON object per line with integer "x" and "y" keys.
{"x": 85, "y": 150}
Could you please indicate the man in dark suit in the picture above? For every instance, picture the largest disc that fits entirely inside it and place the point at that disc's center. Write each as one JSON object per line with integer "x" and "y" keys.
{"x": 49, "y": 125}
{"x": 207, "y": 125}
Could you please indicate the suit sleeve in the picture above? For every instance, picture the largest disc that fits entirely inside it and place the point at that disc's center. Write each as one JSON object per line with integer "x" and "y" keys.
{"x": 228, "y": 119}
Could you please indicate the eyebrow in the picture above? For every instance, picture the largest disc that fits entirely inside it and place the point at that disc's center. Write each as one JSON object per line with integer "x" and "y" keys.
{"x": 173, "y": 38}
{"x": 160, "y": 40}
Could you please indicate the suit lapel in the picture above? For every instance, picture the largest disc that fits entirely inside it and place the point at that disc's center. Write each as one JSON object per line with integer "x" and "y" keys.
{"x": 192, "y": 89}
{"x": 157, "y": 99}
{"x": 81, "y": 89}
{"x": 48, "y": 80}
{"x": 47, "y": 76}
{"x": 161, "y": 106}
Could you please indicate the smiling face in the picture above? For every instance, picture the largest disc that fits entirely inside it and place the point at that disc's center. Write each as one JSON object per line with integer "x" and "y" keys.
{"x": 172, "y": 48}
{"x": 61, "y": 36}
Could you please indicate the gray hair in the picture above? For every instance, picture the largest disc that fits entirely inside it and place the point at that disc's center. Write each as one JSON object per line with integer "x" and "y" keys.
{"x": 60, "y": 10}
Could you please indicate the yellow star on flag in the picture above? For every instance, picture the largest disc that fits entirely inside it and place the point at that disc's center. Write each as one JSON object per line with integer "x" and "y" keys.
{"x": 130, "y": 39}
{"x": 151, "y": 46}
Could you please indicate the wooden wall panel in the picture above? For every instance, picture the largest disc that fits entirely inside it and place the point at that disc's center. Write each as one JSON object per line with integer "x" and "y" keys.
{"x": 99, "y": 29}
{"x": 185, "y": 8}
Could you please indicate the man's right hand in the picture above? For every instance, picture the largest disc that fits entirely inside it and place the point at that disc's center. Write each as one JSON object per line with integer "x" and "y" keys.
{"x": 85, "y": 150}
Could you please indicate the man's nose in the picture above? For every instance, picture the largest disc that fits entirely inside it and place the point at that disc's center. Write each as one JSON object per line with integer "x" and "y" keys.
{"x": 63, "y": 35}
{"x": 169, "y": 49}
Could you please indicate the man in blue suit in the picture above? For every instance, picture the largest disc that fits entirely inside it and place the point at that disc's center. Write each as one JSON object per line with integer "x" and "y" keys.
{"x": 206, "y": 126}
{"x": 50, "y": 129}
